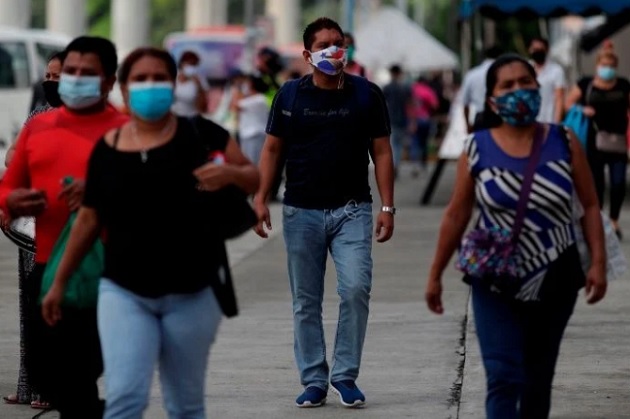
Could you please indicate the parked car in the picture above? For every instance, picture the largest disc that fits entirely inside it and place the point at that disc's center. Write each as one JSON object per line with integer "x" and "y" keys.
{"x": 24, "y": 54}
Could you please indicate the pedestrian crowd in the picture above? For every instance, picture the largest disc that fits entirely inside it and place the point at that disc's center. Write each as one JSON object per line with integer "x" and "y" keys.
{"x": 104, "y": 290}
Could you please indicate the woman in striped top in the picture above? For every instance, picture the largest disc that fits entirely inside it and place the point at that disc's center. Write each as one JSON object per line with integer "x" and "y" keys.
{"x": 520, "y": 336}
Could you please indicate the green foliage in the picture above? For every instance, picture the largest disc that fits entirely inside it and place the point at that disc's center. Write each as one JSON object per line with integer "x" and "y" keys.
{"x": 99, "y": 17}
{"x": 166, "y": 16}
{"x": 38, "y": 13}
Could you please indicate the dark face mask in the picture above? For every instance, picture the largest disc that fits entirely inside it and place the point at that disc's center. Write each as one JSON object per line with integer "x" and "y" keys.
{"x": 539, "y": 56}
{"x": 51, "y": 93}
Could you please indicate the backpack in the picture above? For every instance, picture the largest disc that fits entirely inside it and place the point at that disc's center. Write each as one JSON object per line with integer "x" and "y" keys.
{"x": 290, "y": 90}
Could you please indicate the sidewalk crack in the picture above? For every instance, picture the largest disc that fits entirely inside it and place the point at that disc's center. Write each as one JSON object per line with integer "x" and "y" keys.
{"x": 456, "y": 389}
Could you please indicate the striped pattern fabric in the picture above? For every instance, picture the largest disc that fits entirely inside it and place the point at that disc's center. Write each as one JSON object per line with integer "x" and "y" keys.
{"x": 548, "y": 226}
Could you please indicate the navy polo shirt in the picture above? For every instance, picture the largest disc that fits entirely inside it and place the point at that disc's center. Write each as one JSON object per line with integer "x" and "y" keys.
{"x": 326, "y": 137}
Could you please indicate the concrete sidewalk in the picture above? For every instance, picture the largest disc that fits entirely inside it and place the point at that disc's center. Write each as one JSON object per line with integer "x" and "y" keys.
{"x": 415, "y": 364}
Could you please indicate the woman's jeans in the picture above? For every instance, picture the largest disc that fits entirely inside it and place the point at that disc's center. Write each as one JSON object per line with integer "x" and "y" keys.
{"x": 617, "y": 164}
{"x": 519, "y": 344}
{"x": 309, "y": 235}
{"x": 420, "y": 144}
{"x": 175, "y": 331}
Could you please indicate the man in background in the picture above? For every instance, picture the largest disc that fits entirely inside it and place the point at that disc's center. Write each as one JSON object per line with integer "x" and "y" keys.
{"x": 474, "y": 89}
{"x": 352, "y": 67}
{"x": 552, "y": 82}
{"x": 398, "y": 96}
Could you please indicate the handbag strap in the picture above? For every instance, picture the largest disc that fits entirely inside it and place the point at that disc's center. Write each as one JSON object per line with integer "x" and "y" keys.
{"x": 589, "y": 92}
{"x": 528, "y": 180}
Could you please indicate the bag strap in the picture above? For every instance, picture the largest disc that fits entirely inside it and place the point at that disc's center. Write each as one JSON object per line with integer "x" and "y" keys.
{"x": 528, "y": 180}
{"x": 589, "y": 91}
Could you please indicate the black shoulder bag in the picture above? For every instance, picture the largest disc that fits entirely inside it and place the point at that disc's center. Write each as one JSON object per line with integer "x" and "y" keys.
{"x": 228, "y": 208}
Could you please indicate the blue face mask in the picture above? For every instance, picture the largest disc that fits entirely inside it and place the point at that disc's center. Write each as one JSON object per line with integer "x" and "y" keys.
{"x": 150, "y": 100}
{"x": 519, "y": 107}
{"x": 606, "y": 73}
{"x": 80, "y": 92}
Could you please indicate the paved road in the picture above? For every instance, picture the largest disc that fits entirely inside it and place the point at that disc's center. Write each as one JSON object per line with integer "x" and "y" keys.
{"x": 416, "y": 365}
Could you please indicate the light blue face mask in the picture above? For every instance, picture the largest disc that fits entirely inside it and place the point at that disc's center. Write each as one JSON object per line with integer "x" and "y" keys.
{"x": 80, "y": 92}
{"x": 606, "y": 73}
{"x": 150, "y": 100}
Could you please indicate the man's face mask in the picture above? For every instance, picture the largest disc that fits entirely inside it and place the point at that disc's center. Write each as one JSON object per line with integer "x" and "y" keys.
{"x": 539, "y": 56}
{"x": 80, "y": 92}
{"x": 351, "y": 50}
{"x": 331, "y": 60}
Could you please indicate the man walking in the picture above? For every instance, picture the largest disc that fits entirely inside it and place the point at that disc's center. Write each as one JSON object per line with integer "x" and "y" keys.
{"x": 328, "y": 124}
{"x": 474, "y": 90}
{"x": 552, "y": 82}
{"x": 398, "y": 96}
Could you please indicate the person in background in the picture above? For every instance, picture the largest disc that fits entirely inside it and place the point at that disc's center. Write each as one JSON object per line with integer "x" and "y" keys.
{"x": 50, "y": 86}
{"x": 253, "y": 111}
{"x": 441, "y": 115}
{"x": 63, "y": 362}
{"x": 424, "y": 104}
{"x": 156, "y": 303}
{"x": 191, "y": 88}
{"x": 520, "y": 333}
{"x": 398, "y": 96}
{"x": 551, "y": 79}
{"x": 328, "y": 205}
{"x": 605, "y": 100}
{"x": 352, "y": 67}
{"x": 269, "y": 64}
{"x": 473, "y": 90}
{"x": 26, "y": 261}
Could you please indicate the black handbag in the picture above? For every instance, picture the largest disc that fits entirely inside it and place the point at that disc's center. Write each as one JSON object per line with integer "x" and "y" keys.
{"x": 232, "y": 214}
{"x": 228, "y": 208}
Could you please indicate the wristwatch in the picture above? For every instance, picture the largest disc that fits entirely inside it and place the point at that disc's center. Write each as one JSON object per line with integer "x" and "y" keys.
{"x": 391, "y": 210}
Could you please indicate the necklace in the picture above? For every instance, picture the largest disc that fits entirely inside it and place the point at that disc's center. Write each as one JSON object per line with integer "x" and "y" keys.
{"x": 339, "y": 83}
{"x": 144, "y": 154}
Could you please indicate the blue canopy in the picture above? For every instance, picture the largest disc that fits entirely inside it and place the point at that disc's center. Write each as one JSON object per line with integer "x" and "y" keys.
{"x": 541, "y": 8}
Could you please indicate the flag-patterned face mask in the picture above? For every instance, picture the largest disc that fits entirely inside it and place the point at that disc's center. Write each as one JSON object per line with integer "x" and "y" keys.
{"x": 519, "y": 107}
{"x": 329, "y": 61}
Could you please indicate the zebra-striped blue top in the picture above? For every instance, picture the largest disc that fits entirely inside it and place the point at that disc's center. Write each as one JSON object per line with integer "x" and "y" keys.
{"x": 548, "y": 226}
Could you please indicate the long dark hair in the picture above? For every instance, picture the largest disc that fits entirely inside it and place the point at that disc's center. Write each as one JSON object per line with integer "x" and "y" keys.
{"x": 490, "y": 118}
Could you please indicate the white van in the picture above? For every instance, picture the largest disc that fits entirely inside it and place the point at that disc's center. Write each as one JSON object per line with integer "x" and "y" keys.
{"x": 24, "y": 54}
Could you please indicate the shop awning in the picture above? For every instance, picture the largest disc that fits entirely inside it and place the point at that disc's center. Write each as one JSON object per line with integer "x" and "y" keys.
{"x": 541, "y": 8}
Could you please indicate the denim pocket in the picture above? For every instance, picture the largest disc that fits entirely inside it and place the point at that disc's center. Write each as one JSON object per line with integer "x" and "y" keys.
{"x": 289, "y": 211}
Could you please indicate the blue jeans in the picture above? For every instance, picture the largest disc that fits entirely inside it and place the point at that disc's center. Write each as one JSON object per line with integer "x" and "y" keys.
{"x": 175, "y": 331}
{"x": 309, "y": 235}
{"x": 519, "y": 345}
{"x": 397, "y": 139}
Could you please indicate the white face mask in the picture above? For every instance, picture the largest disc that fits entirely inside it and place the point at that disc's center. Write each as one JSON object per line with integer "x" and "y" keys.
{"x": 190, "y": 70}
{"x": 331, "y": 60}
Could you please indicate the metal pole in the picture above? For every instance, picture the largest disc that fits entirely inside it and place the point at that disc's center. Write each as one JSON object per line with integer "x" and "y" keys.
{"x": 250, "y": 45}
{"x": 465, "y": 45}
